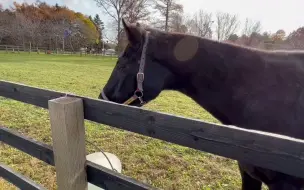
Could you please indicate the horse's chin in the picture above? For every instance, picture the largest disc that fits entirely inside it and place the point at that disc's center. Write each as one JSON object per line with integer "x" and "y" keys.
{"x": 135, "y": 103}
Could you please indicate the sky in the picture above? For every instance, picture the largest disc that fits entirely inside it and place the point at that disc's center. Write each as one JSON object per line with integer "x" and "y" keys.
{"x": 273, "y": 14}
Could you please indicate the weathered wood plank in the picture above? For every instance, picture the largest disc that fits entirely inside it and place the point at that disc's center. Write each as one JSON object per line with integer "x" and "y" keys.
{"x": 97, "y": 175}
{"x": 30, "y": 146}
{"x": 102, "y": 176}
{"x": 27, "y": 95}
{"x": 68, "y": 136}
{"x": 18, "y": 180}
{"x": 266, "y": 150}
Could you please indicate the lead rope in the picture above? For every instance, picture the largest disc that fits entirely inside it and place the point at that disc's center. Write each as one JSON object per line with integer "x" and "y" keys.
{"x": 97, "y": 148}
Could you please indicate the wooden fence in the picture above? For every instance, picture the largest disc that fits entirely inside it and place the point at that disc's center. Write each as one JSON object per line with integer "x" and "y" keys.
{"x": 276, "y": 152}
{"x": 45, "y": 50}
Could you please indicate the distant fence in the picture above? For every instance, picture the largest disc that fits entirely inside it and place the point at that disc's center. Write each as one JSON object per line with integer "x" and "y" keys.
{"x": 33, "y": 49}
{"x": 279, "y": 153}
{"x": 45, "y": 50}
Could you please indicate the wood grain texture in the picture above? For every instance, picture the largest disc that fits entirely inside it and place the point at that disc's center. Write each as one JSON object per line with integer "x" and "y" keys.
{"x": 97, "y": 175}
{"x": 68, "y": 135}
{"x": 113, "y": 180}
{"x": 18, "y": 180}
{"x": 279, "y": 153}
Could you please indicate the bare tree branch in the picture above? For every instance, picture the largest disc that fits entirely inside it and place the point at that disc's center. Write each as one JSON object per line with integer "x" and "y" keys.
{"x": 5, "y": 19}
{"x": 106, "y": 5}
{"x": 200, "y": 24}
{"x": 167, "y": 8}
{"x": 132, "y": 10}
{"x": 138, "y": 11}
{"x": 251, "y": 27}
{"x": 250, "y": 33}
{"x": 226, "y": 24}
{"x": 178, "y": 23}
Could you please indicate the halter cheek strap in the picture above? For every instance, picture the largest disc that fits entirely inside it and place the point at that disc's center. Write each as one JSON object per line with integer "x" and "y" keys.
{"x": 138, "y": 94}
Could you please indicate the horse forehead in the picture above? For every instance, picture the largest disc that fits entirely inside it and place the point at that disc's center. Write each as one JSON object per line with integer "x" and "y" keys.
{"x": 186, "y": 48}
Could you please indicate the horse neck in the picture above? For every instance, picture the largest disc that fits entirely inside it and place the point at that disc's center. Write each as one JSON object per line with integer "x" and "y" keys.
{"x": 203, "y": 70}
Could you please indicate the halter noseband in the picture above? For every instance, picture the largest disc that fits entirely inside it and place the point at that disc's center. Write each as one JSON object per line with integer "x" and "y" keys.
{"x": 138, "y": 93}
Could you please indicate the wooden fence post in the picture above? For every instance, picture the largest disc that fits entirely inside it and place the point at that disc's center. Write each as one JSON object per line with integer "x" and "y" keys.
{"x": 68, "y": 134}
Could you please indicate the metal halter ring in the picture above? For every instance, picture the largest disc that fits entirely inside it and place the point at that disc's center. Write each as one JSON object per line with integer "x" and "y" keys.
{"x": 139, "y": 93}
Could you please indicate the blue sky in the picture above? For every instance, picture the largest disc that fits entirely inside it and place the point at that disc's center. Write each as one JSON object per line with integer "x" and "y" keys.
{"x": 273, "y": 14}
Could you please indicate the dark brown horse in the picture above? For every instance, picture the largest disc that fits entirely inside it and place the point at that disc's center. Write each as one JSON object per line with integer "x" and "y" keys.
{"x": 253, "y": 89}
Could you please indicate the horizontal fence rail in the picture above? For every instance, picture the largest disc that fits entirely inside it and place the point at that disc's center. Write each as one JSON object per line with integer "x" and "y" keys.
{"x": 17, "y": 179}
{"x": 97, "y": 175}
{"x": 276, "y": 152}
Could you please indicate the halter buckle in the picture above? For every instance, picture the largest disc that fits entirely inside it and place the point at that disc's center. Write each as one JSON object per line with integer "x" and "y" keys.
{"x": 140, "y": 77}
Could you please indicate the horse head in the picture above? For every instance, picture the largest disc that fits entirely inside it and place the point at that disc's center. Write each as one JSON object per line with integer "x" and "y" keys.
{"x": 139, "y": 75}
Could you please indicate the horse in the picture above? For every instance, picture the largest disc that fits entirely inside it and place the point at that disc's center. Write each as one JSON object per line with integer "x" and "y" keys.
{"x": 241, "y": 86}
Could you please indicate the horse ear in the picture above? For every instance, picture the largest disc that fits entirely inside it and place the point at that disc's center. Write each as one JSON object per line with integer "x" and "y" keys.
{"x": 133, "y": 32}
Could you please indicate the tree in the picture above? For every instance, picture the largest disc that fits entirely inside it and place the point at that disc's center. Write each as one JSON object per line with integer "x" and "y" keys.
{"x": 200, "y": 24}
{"x": 118, "y": 9}
{"x": 99, "y": 25}
{"x": 28, "y": 28}
{"x": 5, "y": 28}
{"x": 177, "y": 23}
{"x": 296, "y": 39}
{"x": 57, "y": 6}
{"x": 98, "y": 21}
{"x": 87, "y": 27}
{"x": 254, "y": 40}
{"x": 138, "y": 11}
{"x": 167, "y": 8}
{"x": 267, "y": 40}
{"x": 251, "y": 33}
{"x": 226, "y": 24}
{"x": 233, "y": 38}
{"x": 279, "y": 36}
{"x": 40, "y": 24}
{"x": 251, "y": 27}
{"x": 115, "y": 10}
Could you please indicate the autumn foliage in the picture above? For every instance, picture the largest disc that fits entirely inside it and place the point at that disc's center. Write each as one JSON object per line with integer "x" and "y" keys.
{"x": 43, "y": 25}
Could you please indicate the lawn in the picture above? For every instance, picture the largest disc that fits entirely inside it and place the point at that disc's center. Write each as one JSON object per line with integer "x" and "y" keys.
{"x": 155, "y": 162}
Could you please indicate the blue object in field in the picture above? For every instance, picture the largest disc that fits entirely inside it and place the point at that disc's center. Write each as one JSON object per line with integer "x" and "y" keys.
{"x": 67, "y": 33}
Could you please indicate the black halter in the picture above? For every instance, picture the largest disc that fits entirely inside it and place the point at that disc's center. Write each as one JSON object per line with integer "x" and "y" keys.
{"x": 139, "y": 92}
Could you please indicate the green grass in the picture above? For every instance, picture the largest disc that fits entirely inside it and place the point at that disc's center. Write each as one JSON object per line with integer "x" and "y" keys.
{"x": 156, "y": 162}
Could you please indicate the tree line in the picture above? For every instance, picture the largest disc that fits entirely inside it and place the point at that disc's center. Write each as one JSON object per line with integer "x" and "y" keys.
{"x": 49, "y": 27}
{"x": 168, "y": 15}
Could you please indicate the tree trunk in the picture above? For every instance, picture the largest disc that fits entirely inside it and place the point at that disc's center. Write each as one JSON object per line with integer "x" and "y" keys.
{"x": 119, "y": 38}
{"x": 167, "y": 16}
{"x": 118, "y": 30}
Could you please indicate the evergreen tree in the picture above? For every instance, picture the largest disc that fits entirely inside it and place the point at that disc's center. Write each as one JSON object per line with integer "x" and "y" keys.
{"x": 98, "y": 22}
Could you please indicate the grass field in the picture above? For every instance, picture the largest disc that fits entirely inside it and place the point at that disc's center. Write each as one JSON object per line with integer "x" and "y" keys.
{"x": 156, "y": 162}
